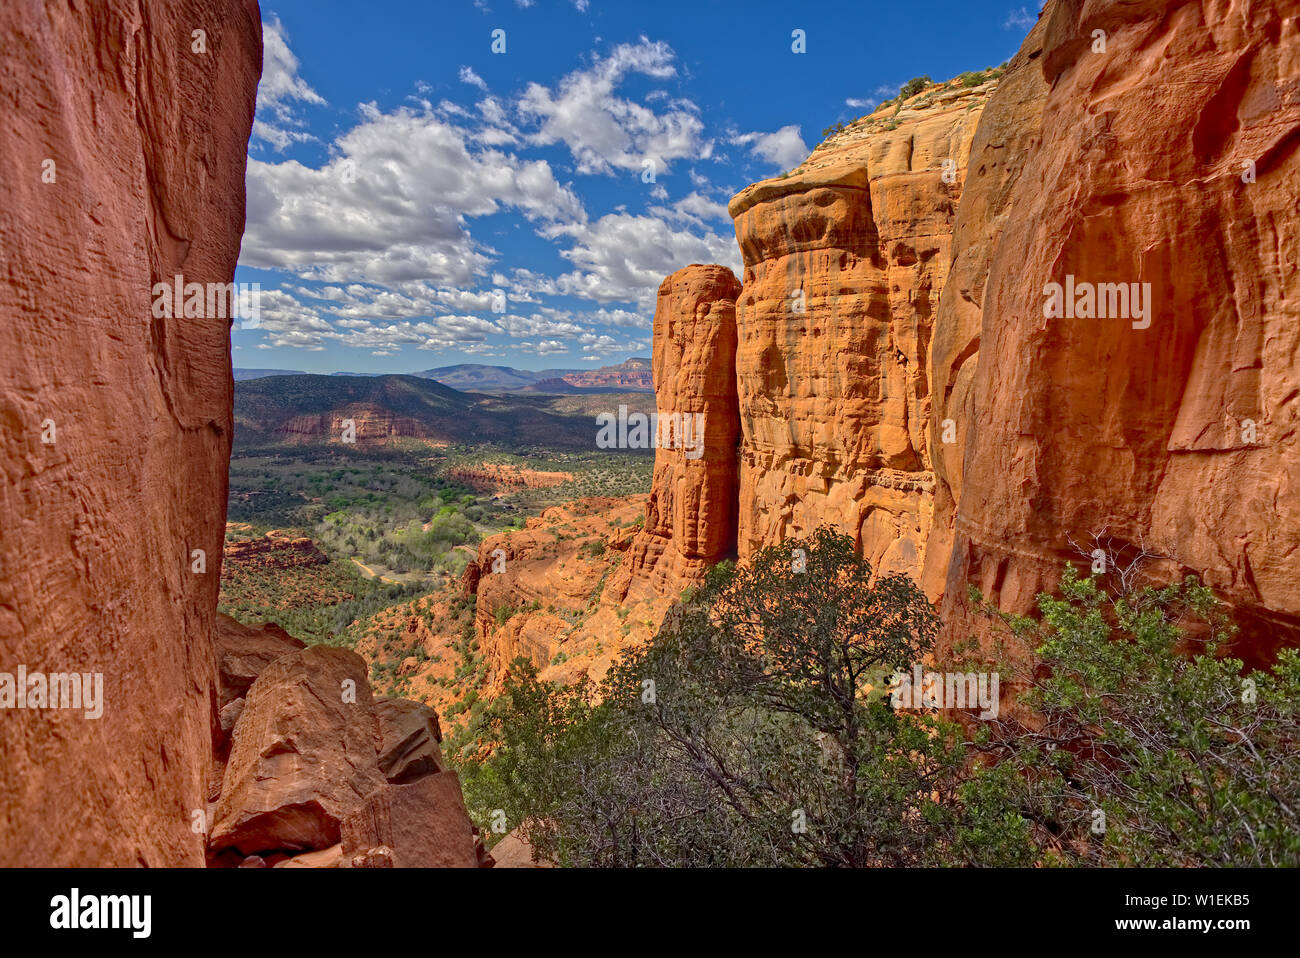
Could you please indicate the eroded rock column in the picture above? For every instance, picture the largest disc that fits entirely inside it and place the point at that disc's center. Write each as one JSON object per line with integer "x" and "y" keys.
{"x": 845, "y": 259}
{"x": 690, "y": 519}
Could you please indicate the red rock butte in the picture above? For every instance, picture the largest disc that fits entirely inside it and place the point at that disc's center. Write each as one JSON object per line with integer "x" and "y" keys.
{"x": 897, "y": 377}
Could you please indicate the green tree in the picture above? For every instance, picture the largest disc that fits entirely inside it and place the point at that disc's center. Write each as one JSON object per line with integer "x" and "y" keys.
{"x": 752, "y": 731}
{"x": 1144, "y": 743}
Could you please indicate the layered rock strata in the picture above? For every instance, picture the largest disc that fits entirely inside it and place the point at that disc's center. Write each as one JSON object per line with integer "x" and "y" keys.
{"x": 547, "y": 592}
{"x": 845, "y": 260}
{"x": 690, "y": 517}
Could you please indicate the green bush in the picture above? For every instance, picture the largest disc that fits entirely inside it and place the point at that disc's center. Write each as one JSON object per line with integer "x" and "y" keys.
{"x": 1150, "y": 746}
{"x": 756, "y": 743}
{"x": 913, "y": 87}
{"x": 750, "y": 732}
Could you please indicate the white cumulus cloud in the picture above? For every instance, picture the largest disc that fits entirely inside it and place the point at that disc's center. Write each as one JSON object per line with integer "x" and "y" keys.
{"x": 279, "y": 91}
{"x": 784, "y": 147}
{"x": 394, "y": 204}
{"x": 606, "y": 133}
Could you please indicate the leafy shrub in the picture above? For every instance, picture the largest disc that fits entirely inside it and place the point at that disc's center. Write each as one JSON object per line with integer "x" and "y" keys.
{"x": 748, "y": 732}
{"x": 1150, "y": 747}
{"x": 913, "y": 87}
{"x": 758, "y": 745}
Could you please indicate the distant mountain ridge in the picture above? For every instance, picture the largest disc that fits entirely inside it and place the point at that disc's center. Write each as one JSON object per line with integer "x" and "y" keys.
{"x": 243, "y": 375}
{"x": 312, "y": 408}
{"x": 474, "y": 376}
{"x": 633, "y": 375}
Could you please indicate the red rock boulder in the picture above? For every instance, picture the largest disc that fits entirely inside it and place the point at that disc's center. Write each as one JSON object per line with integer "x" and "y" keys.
{"x": 424, "y": 823}
{"x": 303, "y": 756}
{"x": 409, "y": 736}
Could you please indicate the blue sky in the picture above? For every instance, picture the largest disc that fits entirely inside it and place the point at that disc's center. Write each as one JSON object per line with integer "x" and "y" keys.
{"x": 417, "y": 200}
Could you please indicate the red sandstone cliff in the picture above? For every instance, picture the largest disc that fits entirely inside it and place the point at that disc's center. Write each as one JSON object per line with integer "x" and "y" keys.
{"x": 1169, "y": 158}
{"x": 845, "y": 259}
{"x": 122, "y": 158}
{"x": 372, "y": 424}
{"x": 888, "y": 373}
{"x": 1008, "y": 130}
{"x": 123, "y": 164}
{"x": 312, "y": 771}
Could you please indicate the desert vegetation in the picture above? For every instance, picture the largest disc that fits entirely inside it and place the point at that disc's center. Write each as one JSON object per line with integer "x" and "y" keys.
{"x": 758, "y": 729}
{"x": 394, "y": 522}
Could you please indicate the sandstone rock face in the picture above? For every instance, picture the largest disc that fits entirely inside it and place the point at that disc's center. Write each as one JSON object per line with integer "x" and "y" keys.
{"x": 374, "y": 426}
{"x": 690, "y": 518}
{"x": 244, "y": 651}
{"x": 424, "y": 824}
{"x": 555, "y": 600}
{"x": 845, "y": 260}
{"x": 331, "y": 857}
{"x": 409, "y": 734}
{"x": 381, "y": 856}
{"x": 1009, "y": 130}
{"x": 122, "y": 157}
{"x": 304, "y": 754}
{"x": 469, "y": 579}
{"x": 1171, "y": 159}
{"x": 515, "y": 851}
{"x": 498, "y": 475}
